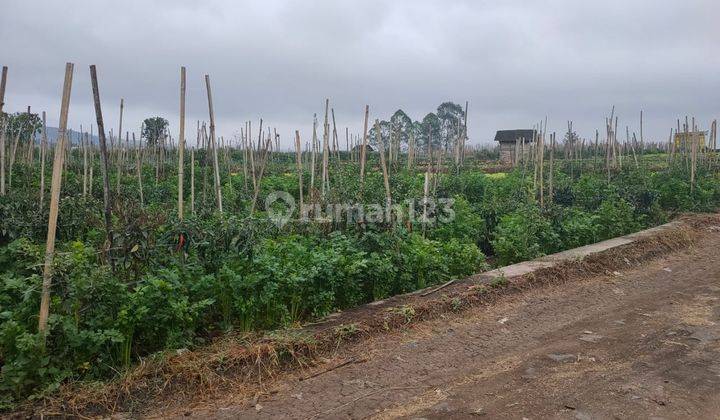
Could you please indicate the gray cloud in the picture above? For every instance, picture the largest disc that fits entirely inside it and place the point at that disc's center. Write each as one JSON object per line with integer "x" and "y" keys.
{"x": 514, "y": 61}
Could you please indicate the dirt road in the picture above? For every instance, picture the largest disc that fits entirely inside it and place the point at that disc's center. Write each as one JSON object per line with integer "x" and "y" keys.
{"x": 638, "y": 343}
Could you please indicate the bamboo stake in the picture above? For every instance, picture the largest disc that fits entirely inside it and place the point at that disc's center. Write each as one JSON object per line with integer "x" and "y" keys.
{"x": 181, "y": 145}
{"x": 252, "y": 152}
{"x": 243, "y": 144}
{"x": 326, "y": 151}
{"x": 411, "y": 152}
{"x": 386, "y": 181}
{"x": 138, "y": 169}
{"x": 156, "y": 158}
{"x": 616, "y": 145}
{"x": 336, "y": 143}
{"x": 632, "y": 148}
{"x": 551, "y": 192}
{"x": 104, "y": 164}
{"x": 85, "y": 164}
{"x": 363, "y": 149}
{"x": 263, "y": 161}
{"x": 671, "y": 148}
{"x": 464, "y": 137}
{"x": 90, "y": 180}
{"x": 118, "y": 157}
{"x": 54, "y": 201}
{"x": 693, "y": 159}
{"x": 541, "y": 158}
{"x": 456, "y": 148}
{"x": 216, "y": 168}
{"x": 298, "y": 159}
{"x": 312, "y": 160}
{"x": 192, "y": 181}
{"x": 205, "y": 161}
{"x": 12, "y": 156}
{"x": 3, "y": 127}
{"x": 3, "y": 85}
{"x": 426, "y": 191}
{"x": 642, "y": 139}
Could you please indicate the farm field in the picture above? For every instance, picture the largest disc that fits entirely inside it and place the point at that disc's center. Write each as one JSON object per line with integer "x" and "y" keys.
{"x": 637, "y": 343}
{"x": 163, "y": 246}
{"x": 359, "y": 209}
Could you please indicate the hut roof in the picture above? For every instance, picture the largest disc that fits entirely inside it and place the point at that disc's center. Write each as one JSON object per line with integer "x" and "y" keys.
{"x": 510, "y": 136}
{"x": 370, "y": 147}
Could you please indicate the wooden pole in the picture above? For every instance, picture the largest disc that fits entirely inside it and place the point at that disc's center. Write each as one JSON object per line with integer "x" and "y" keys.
{"x": 551, "y": 192}
{"x": 54, "y": 201}
{"x": 192, "y": 181}
{"x": 205, "y": 162}
{"x": 251, "y": 151}
{"x": 85, "y": 162}
{"x": 3, "y": 127}
{"x": 312, "y": 160}
{"x": 363, "y": 149}
{"x": 104, "y": 164}
{"x": 243, "y": 144}
{"x": 3, "y": 84}
{"x": 326, "y": 151}
{"x": 464, "y": 138}
{"x": 693, "y": 158}
{"x": 43, "y": 154}
{"x": 336, "y": 142}
{"x": 138, "y": 169}
{"x": 541, "y": 159}
{"x": 118, "y": 153}
{"x": 298, "y": 160}
{"x": 90, "y": 178}
{"x": 411, "y": 152}
{"x": 642, "y": 139}
{"x": 12, "y": 155}
{"x": 426, "y": 191}
{"x": 263, "y": 161}
{"x": 216, "y": 168}
{"x": 386, "y": 181}
{"x": 181, "y": 145}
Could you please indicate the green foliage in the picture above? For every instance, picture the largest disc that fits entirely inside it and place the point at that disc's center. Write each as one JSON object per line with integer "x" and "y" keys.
{"x": 616, "y": 217}
{"x": 178, "y": 284}
{"x": 467, "y": 225}
{"x": 578, "y": 228}
{"x": 24, "y": 124}
{"x": 523, "y": 235}
{"x": 153, "y": 128}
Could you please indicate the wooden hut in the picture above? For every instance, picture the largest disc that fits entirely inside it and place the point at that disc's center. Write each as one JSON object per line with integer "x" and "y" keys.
{"x": 508, "y": 139}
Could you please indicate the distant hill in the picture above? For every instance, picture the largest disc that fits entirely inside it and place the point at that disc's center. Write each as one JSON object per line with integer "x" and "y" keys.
{"x": 52, "y": 133}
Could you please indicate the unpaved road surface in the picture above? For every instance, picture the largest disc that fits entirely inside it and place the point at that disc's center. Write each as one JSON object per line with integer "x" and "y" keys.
{"x": 640, "y": 343}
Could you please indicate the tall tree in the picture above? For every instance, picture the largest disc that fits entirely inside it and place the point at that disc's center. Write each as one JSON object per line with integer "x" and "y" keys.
{"x": 451, "y": 116}
{"x": 401, "y": 126}
{"x": 384, "y": 133}
{"x": 153, "y": 128}
{"x": 430, "y": 129}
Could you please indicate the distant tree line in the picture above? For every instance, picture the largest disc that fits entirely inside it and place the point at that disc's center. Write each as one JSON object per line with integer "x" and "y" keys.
{"x": 439, "y": 129}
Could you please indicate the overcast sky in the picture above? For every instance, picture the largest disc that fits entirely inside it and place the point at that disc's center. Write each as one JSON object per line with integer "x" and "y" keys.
{"x": 514, "y": 61}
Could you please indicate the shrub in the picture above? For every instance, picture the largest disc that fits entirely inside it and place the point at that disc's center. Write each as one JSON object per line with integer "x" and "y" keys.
{"x": 616, "y": 217}
{"x": 523, "y": 235}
